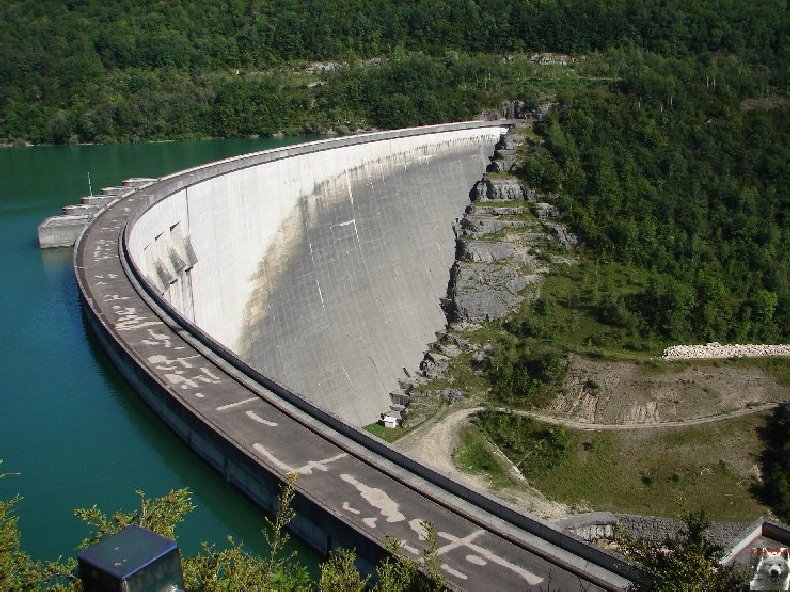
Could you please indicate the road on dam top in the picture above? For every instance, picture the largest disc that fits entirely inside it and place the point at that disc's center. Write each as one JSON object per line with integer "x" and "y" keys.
{"x": 369, "y": 494}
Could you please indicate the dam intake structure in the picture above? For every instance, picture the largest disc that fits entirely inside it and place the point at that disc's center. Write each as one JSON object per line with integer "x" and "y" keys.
{"x": 185, "y": 276}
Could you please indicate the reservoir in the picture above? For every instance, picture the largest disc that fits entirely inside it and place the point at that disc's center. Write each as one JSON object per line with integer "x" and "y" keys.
{"x": 72, "y": 433}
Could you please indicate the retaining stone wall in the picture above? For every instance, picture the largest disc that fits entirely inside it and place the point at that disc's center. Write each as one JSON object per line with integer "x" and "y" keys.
{"x": 717, "y": 350}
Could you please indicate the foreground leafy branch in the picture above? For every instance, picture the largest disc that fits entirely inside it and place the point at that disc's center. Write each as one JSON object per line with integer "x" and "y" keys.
{"x": 212, "y": 570}
{"x": 17, "y": 570}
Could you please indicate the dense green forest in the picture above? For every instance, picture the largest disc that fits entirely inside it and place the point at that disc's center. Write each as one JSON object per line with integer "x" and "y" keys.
{"x": 677, "y": 170}
{"x": 103, "y": 71}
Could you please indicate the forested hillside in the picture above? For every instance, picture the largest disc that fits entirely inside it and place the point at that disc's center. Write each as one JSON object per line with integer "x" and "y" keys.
{"x": 115, "y": 70}
{"x": 669, "y": 152}
{"x": 678, "y": 170}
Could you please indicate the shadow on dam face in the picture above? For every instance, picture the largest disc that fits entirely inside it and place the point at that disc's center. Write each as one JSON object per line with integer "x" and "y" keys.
{"x": 321, "y": 268}
{"x": 349, "y": 296}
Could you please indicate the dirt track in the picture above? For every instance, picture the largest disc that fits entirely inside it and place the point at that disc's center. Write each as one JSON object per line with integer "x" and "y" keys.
{"x": 435, "y": 441}
{"x": 580, "y": 425}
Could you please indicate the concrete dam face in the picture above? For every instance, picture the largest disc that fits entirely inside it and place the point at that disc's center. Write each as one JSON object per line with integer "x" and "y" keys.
{"x": 322, "y": 267}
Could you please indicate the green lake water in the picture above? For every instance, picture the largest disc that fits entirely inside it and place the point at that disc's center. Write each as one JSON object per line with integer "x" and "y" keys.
{"x": 71, "y": 428}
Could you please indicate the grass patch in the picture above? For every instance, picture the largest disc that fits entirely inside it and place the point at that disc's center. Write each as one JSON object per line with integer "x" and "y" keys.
{"x": 776, "y": 368}
{"x": 502, "y": 203}
{"x": 581, "y": 309}
{"x": 475, "y": 456}
{"x": 662, "y": 471}
{"x": 385, "y": 433}
{"x": 533, "y": 447}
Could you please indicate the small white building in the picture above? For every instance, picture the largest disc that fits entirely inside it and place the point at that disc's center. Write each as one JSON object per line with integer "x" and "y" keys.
{"x": 392, "y": 418}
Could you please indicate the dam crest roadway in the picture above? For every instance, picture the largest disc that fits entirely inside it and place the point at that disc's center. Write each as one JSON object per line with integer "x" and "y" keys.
{"x": 263, "y": 305}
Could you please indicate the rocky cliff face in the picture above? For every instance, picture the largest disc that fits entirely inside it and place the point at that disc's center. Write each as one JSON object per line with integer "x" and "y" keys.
{"x": 501, "y": 248}
{"x": 503, "y": 243}
{"x": 498, "y": 189}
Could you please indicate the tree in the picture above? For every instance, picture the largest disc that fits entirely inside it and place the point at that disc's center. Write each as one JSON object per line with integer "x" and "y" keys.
{"x": 686, "y": 562}
{"x": 340, "y": 574}
{"x": 17, "y": 570}
{"x": 398, "y": 573}
{"x": 524, "y": 374}
{"x": 212, "y": 570}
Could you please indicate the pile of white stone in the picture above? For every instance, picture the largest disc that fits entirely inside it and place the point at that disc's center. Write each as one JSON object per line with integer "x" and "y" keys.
{"x": 717, "y": 350}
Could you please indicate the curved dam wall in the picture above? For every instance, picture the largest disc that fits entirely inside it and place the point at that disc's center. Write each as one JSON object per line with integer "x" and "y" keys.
{"x": 353, "y": 490}
{"x": 321, "y": 265}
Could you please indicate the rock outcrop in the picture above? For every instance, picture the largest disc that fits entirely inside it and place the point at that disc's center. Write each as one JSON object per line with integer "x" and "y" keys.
{"x": 484, "y": 292}
{"x": 434, "y": 365}
{"x": 499, "y": 247}
{"x": 498, "y": 189}
{"x": 501, "y": 250}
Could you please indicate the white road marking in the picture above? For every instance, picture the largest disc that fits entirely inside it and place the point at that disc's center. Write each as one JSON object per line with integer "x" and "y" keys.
{"x": 237, "y": 404}
{"x": 404, "y": 544}
{"x": 255, "y": 417}
{"x": 466, "y": 542}
{"x": 476, "y": 560}
{"x": 417, "y": 526}
{"x": 348, "y": 508}
{"x": 317, "y": 465}
{"x": 454, "y": 572}
{"x": 377, "y": 498}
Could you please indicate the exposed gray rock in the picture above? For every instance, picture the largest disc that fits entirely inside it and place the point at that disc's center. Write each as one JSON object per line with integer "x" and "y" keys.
{"x": 434, "y": 365}
{"x": 408, "y": 384}
{"x": 450, "y": 350}
{"x": 658, "y": 529}
{"x": 460, "y": 342}
{"x": 482, "y": 292}
{"x": 480, "y": 210}
{"x": 507, "y": 110}
{"x": 530, "y": 194}
{"x": 566, "y": 238}
{"x": 461, "y": 325}
{"x": 510, "y": 141}
{"x": 545, "y": 210}
{"x": 412, "y": 421}
{"x": 452, "y": 395}
{"x": 488, "y": 189}
{"x": 543, "y": 110}
{"x": 481, "y": 225}
{"x": 476, "y": 226}
{"x": 400, "y": 398}
{"x": 486, "y": 251}
{"x": 503, "y": 161}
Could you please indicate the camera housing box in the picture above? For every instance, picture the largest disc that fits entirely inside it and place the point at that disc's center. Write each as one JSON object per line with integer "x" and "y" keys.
{"x": 134, "y": 560}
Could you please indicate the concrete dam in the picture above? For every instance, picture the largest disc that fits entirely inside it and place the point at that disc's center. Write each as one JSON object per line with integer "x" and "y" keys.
{"x": 263, "y": 306}
{"x": 323, "y": 271}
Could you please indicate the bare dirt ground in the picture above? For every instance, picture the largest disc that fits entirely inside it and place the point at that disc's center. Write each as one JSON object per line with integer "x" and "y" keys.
{"x": 583, "y": 425}
{"x": 434, "y": 442}
{"x": 613, "y": 392}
